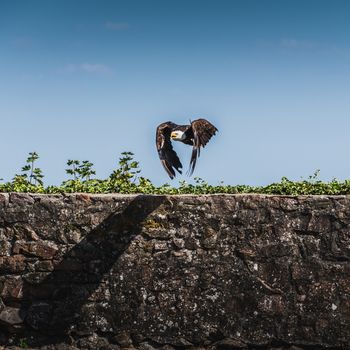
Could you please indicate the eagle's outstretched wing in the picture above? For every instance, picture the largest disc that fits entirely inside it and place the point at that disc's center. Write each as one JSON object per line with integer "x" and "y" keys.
{"x": 167, "y": 155}
{"x": 202, "y": 132}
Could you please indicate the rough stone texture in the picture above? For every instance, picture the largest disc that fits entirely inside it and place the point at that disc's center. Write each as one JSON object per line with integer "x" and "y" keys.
{"x": 171, "y": 272}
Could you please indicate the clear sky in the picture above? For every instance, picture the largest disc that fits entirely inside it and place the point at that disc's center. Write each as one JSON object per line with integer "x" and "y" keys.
{"x": 89, "y": 79}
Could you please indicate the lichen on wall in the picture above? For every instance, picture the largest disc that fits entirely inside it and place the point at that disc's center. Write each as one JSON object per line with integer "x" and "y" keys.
{"x": 216, "y": 271}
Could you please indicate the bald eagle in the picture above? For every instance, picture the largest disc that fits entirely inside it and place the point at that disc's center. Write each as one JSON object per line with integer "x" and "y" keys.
{"x": 197, "y": 134}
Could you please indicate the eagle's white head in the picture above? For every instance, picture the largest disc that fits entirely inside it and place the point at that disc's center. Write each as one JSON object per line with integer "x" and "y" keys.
{"x": 177, "y": 135}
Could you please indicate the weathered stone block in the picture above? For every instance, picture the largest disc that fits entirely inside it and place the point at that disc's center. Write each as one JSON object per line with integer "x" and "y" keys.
{"x": 10, "y": 316}
{"x": 44, "y": 250}
{"x": 12, "y": 264}
{"x": 12, "y": 288}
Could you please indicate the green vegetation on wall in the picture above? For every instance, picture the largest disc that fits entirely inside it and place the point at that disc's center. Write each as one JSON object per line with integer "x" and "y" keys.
{"x": 126, "y": 179}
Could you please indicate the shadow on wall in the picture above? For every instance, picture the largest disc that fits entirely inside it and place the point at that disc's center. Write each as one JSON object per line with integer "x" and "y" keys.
{"x": 52, "y": 305}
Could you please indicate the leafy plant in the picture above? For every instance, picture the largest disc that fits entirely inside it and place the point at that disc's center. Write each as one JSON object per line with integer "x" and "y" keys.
{"x": 30, "y": 173}
{"x": 22, "y": 343}
{"x": 314, "y": 176}
{"x": 128, "y": 169}
{"x": 126, "y": 179}
{"x": 29, "y": 181}
{"x": 73, "y": 164}
{"x": 80, "y": 171}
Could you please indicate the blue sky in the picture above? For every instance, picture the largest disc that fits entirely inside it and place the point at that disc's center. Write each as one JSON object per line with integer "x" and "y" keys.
{"x": 89, "y": 79}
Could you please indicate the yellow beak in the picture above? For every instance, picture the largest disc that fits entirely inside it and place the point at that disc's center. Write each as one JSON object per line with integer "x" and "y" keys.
{"x": 173, "y": 135}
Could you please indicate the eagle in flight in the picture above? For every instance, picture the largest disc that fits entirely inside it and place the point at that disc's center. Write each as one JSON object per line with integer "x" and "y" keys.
{"x": 197, "y": 134}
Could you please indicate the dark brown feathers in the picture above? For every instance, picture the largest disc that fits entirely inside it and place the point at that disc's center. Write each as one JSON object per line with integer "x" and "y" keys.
{"x": 197, "y": 134}
{"x": 202, "y": 132}
{"x": 167, "y": 155}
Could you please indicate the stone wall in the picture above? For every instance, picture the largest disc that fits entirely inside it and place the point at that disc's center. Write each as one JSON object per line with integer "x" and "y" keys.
{"x": 221, "y": 272}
